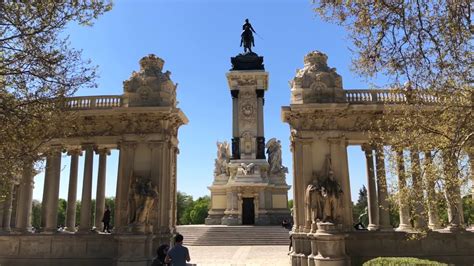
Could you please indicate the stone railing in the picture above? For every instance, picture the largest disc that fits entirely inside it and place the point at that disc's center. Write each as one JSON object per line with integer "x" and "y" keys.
{"x": 387, "y": 96}
{"x": 94, "y": 102}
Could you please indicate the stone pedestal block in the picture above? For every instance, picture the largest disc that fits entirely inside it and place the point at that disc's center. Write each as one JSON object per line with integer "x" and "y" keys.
{"x": 231, "y": 219}
{"x": 134, "y": 250}
{"x": 330, "y": 246}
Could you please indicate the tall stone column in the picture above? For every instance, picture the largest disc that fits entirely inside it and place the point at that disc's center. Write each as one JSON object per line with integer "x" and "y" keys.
{"x": 72, "y": 190}
{"x": 166, "y": 188}
{"x": 260, "y": 128}
{"x": 433, "y": 217}
{"x": 403, "y": 191}
{"x": 307, "y": 176}
{"x": 126, "y": 162}
{"x": 417, "y": 192}
{"x": 25, "y": 197}
{"x": 49, "y": 209}
{"x": 453, "y": 193}
{"x": 156, "y": 178}
{"x": 7, "y": 209}
{"x": 384, "y": 214}
{"x": 235, "y": 125}
{"x": 372, "y": 190}
{"x": 85, "y": 223}
{"x": 341, "y": 171}
{"x": 298, "y": 187}
{"x": 100, "y": 194}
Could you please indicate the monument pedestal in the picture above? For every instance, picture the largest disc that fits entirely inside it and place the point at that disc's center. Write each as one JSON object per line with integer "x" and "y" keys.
{"x": 134, "y": 250}
{"x": 328, "y": 243}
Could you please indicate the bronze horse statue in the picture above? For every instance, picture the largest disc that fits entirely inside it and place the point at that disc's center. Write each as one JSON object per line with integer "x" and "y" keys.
{"x": 247, "y": 39}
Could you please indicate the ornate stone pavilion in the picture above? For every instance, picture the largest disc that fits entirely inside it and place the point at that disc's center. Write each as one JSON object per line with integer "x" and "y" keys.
{"x": 142, "y": 124}
{"x": 248, "y": 189}
{"x": 324, "y": 120}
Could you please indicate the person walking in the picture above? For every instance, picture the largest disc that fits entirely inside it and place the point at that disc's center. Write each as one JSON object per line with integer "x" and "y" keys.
{"x": 160, "y": 255}
{"x": 106, "y": 220}
{"x": 179, "y": 254}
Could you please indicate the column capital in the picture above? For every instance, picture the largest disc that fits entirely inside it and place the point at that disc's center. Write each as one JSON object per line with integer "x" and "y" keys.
{"x": 234, "y": 93}
{"x": 102, "y": 150}
{"x": 367, "y": 148}
{"x": 86, "y": 146}
{"x": 74, "y": 151}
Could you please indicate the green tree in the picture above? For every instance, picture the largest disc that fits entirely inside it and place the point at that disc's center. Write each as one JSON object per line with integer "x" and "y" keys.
{"x": 199, "y": 210}
{"x": 360, "y": 206}
{"x": 36, "y": 214}
{"x": 184, "y": 204}
{"x": 38, "y": 70}
{"x": 62, "y": 206}
{"x": 424, "y": 48}
{"x": 290, "y": 204}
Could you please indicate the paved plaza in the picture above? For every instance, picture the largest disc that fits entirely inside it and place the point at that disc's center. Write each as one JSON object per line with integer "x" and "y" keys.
{"x": 239, "y": 255}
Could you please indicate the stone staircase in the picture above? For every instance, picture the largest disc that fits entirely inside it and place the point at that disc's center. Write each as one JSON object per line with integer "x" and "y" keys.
{"x": 222, "y": 235}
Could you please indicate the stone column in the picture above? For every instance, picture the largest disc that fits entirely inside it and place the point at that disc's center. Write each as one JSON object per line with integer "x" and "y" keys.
{"x": 341, "y": 171}
{"x": 298, "y": 186}
{"x": 433, "y": 218}
{"x": 165, "y": 189}
{"x": 49, "y": 209}
{"x": 25, "y": 197}
{"x": 100, "y": 194}
{"x": 403, "y": 192}
{"x": 260, "y": 126}
{"x": 307, "y": 176}
{"x": 85, "y": 222}
{"x": 372, "y": 190}
{"x": 72, "y": 191}
{"x": 156, "y": 178}
{"x": 7, "y": 208}
{"x": 453, "y": 194}
{"x": 384, "y": 214}
{"x": 418, "y": 212}
{"x": 235, "y": 125}
{"x": 126, "y": 162}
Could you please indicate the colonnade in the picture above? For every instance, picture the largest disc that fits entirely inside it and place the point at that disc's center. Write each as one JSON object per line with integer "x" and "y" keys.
{"x": 421, "y": 191}
{"x": 20, "y": 196}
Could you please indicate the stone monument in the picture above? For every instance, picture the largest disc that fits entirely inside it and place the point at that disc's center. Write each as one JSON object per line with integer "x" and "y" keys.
{"x": 248, "y": 189}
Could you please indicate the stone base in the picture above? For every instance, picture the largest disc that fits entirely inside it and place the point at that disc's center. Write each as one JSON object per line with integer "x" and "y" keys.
{"x": 231, "y": 220}
{"x": 213, "y": 220}
{"x": 247, "y": 61}
{"x": 134, "y": 250}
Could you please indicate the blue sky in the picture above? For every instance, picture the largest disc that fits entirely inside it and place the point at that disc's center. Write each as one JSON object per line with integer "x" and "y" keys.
{"x": 196, "y": 38}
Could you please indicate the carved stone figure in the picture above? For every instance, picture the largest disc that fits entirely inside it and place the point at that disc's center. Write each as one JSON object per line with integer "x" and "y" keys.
{"x": 274, "y": 157}
{"x": 142, "y": 196}
{"x": 317, "y": 82}
{"x": 223, "y": 157}
{"x": 322, "y": 196}
{"x": 330, "y": 191}
{"x": 246, "y": 169}
{"x": 150, "y": 86}
{"x": 314, "y": 202}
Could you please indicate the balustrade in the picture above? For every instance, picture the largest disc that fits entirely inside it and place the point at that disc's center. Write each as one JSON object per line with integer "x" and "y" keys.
{"x": 94, "y": 102}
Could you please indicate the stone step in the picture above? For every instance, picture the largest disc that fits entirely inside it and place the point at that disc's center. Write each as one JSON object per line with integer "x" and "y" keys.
{"x": 221, "y": 235}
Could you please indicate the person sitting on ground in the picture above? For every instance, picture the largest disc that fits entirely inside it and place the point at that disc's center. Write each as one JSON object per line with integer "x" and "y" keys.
{"x": 160, "y": 255}
{"x": 179, "y": 254}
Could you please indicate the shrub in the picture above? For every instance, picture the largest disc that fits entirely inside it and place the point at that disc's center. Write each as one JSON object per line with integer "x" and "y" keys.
{"x": 400, "y": 261}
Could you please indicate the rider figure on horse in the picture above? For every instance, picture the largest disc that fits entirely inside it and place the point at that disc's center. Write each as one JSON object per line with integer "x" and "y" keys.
{"x": 247, "y": 36}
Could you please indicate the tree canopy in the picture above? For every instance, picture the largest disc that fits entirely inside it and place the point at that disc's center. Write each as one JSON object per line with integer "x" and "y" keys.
{"x": 424, "y": 49}
{"x": 38, "y": 69}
